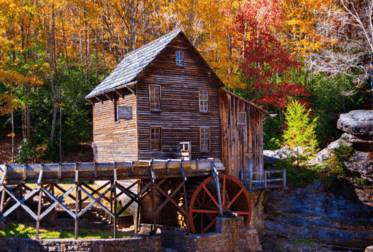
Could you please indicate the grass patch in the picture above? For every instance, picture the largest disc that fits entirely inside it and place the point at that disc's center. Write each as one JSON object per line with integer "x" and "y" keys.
{"x": 24, "y": 230}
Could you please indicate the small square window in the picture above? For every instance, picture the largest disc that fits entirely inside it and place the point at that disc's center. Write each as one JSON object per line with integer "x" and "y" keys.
{"x": 155, "y": 97}
{"x": 241, "y": 118}
{"x": 205, "y": 139}
{"x": 155, "y": 139}
{"x": 179, "y": 58}
{"x": 203, "y": 100}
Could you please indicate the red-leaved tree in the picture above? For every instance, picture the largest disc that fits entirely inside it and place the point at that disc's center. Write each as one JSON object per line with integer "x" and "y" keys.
{"x": 266, "y": 64}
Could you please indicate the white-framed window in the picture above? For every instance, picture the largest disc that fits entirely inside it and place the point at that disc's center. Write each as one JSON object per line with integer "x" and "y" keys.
{"x": 241, "y": 118}
{"x": 155, "y": 97}
{"x": 203, "y": 100}
{"x": 155, "y": 139}
{"x": 205, "y": 139}
{"x": 179, "y": 58}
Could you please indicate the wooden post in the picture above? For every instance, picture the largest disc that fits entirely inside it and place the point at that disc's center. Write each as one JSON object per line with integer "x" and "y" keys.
{"x": 251, "y": 179}
{"x": 76, "y": 200}
{"x": 2, "y": 200}
{"x": 153, "y": 208}
{"x": 265, "y": 180}
{"x": 115, "y": 199}
{"x": 39, "y": 212}
{"x": 284, "y": 174}
{"x": 186, "y": 209}
{"x": 138, "y": 208}
{"x": 40, "y": 178}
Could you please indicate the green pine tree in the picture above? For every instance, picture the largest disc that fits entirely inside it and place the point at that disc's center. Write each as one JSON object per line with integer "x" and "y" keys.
{"x": 301, "y": 129}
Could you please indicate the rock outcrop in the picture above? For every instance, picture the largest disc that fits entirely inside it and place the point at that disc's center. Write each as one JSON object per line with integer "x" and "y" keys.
{"x": 357, "y": 122}
{"x": 358, "y": 128}
{"x": 337, "y": 217}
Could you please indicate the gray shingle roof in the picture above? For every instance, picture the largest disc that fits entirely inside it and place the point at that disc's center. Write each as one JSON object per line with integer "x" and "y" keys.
{"x": 133, "y": 63}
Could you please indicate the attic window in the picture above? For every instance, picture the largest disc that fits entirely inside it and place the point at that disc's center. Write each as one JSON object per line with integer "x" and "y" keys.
{"x": 203, "y": 100}
{"x": 241, "y": 118}
{"x": 179, "y": 58}
{"x": 155, "y": 138}
{"x": 205, "y": 139}
{"x": 155, "y": 97}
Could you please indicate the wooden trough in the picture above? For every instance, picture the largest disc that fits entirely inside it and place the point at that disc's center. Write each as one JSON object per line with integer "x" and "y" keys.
{"x": 171, "y": 168}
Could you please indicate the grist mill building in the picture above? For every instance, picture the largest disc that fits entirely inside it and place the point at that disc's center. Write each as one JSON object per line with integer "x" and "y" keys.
{"x": 164, "y": 101}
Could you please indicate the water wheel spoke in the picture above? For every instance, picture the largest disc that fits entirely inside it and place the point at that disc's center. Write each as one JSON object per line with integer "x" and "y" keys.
{"x": 209, "y": 225}
{"x": 215, "y": 195}
{"x": 235, "y": 197}
{"x": 208, "y": 192}
{"x": 199, "y": 202}
{"x": 196, "y": 214}
{"x": 208, "y": 215}
{"x": 204, "y": 211}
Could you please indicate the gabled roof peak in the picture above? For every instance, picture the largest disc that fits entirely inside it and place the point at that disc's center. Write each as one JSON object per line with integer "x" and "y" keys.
{"x": 133, "y": 63}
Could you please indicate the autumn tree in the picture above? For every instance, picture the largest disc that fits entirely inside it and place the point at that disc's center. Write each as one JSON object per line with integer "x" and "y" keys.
{"x": 266, "y": 64}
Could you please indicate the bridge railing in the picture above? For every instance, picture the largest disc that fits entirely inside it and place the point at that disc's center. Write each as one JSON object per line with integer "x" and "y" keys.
{"x": 263, "y": 179}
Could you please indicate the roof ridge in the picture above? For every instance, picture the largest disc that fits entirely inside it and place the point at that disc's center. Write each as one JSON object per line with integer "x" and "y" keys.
{"x": 177, "y": 30}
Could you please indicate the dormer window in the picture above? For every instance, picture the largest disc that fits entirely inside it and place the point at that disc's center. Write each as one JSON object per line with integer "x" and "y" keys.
{"x": 155, "y": 97}
{"x": 179, "y": 58}
{"x": 203, "y": 100}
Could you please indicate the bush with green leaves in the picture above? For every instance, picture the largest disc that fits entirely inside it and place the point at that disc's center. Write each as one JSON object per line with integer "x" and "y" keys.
{"x": 297, "y": 175}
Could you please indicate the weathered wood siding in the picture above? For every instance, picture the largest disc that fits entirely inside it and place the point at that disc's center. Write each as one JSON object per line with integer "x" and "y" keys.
{"x": 179, "y": 118}
{"x": 242, "y": 145}
{"x": 114, "y": 140}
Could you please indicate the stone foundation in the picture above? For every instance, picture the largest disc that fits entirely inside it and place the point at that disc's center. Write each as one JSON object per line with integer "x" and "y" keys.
{"x": 257, "y": 212}
{"x": 230, "y": 235}
{"x": 141, "y": 243}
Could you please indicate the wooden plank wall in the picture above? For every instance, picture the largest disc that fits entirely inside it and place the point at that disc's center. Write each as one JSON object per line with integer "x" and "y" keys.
{"x": 179, "y": 118}
{"x": 242, "y": 145}
{"x": 114, "y": 140}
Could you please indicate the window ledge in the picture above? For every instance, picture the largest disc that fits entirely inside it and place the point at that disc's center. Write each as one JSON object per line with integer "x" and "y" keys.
{"x": 117, "y": 122}
{"x": 204, "y": 112}
{"x": 155, "y": 111}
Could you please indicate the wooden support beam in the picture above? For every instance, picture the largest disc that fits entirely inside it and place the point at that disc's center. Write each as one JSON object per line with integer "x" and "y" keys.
{"x": 267, "y": 196}
{"x": 95, "y": 191}
{"x": 169, "y": 198}
{"x": 58, "y": 201}
{"x": 153, "y": 209}
{"x": 39, "y": 212}
{"x": 97, "y": 201}
{"x": 186, "y": 209}
{"x": 134, "y": 198}
{"x": 63, "y": 190}
{"x": 77, "y": 200}
{"x": 258, "y": 199}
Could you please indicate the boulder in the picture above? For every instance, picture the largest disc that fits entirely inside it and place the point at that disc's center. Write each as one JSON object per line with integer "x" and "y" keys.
{"x": 357, "y": 122}
{"x": 345, "y": 138}
{"x": 284, "y": 152}
{"x": 334, "y": 217}
{"x": 322, "y": 156}
{"x": 357, "y": 142}
{"x": 362, "y": 163}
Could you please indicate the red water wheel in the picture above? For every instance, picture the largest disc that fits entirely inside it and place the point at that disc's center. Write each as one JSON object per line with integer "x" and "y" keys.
{"x": 204, "y": 203}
